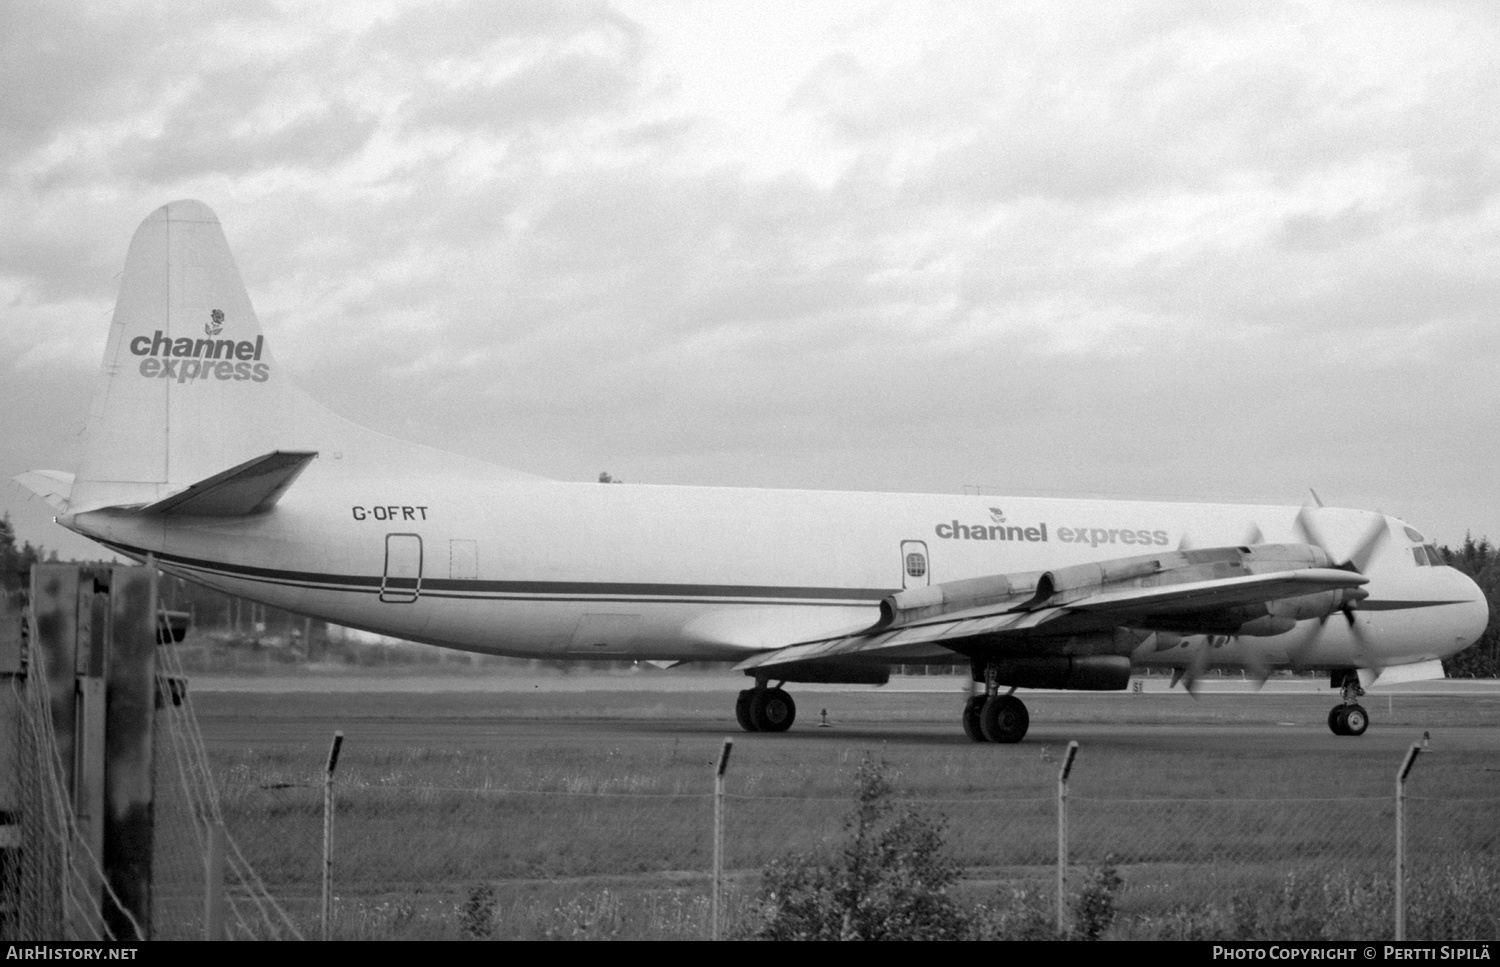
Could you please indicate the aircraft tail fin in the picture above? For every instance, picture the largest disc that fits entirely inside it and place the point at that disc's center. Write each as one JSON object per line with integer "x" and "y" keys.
{"x": 189, "y": 384}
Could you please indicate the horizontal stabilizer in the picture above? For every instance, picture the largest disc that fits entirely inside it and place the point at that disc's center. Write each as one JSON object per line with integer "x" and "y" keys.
{"x": 253, "y": 487}
{"x": 53, "y": 486}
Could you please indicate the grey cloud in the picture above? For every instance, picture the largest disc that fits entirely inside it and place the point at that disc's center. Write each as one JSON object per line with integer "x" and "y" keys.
{"x": 66, "y": 66}
{"x": 193, "y": 145}
{"x": 1323, "y": 232}
{"x": 54, "y": 263}
{"x": 57, "y": 61}
{"x": 574, "y": 60}
{"x": 547, "y": 92}
{"x": 429, "y": 32}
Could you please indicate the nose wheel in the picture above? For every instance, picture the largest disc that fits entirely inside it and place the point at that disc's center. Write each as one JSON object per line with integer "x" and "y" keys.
{"x": 762, "y": 709}
{"x": 1349, "y": 718}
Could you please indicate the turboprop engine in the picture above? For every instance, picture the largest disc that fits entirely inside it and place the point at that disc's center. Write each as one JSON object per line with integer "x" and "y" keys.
{"x": 1090, "y": 673}
{"x": 1280, "y": 616}
{"x": 1060, "y": 587}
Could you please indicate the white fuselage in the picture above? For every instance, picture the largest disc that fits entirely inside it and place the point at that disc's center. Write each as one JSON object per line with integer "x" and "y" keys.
{"x": 547, "y": 569}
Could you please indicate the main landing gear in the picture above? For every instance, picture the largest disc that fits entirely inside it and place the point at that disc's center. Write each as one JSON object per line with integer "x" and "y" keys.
{"x": 993, "y": 717}
{"x": 1350, "y": 718}
{"x": 762, "y": 709}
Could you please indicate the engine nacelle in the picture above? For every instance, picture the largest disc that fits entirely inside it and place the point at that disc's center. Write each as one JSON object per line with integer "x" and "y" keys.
{"x": 1280, "y": 616}
{"x": 1319, "y": 605}
{"x": 826, "y": 672}
{"x": 1088, "y": 673}
{"x": 914, "y": 604}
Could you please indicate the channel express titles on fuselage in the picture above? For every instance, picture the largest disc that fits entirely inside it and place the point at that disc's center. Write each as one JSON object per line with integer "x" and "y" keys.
{"x": 1092, "y": 536}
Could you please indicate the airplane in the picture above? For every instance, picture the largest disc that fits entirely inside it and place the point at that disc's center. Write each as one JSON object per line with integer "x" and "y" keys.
{"x": 203, "y": 459}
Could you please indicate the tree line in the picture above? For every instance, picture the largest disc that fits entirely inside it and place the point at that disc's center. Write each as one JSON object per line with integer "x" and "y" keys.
{"x": 1480, "y": 561}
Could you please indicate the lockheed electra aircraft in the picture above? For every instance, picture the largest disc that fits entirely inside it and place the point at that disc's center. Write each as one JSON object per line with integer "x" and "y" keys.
{"x": 202, "y": 457}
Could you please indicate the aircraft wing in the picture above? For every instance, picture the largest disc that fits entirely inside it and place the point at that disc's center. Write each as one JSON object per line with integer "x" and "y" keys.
{"x": 1037, "y": 615}
{"x": 1184, "y": 599}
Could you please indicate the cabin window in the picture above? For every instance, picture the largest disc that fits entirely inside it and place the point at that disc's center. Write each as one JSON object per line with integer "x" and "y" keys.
{"x": 916, "y": 570}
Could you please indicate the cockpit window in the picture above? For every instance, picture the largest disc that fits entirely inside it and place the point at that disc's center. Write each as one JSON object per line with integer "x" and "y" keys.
{"x": 1420, "y": 553}
{"x": 1433, "y": 557}
{"x": 1415, "y": 535}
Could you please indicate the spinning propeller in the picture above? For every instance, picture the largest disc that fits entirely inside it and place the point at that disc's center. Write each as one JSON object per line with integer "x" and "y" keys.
{"x": 1311, "y": 533}
{"x": 1357, "y": 560}
{"x": 1198, "y": 658}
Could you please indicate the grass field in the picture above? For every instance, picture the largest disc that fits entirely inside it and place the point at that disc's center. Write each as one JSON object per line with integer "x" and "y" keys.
{"x": 587, "y": 813}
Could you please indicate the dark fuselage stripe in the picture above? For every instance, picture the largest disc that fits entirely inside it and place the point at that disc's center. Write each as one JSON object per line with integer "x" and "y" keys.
{"x": 460, "y": 589}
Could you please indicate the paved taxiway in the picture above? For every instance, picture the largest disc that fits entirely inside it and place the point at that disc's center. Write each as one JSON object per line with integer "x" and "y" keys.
{"x": 491, "y": 711}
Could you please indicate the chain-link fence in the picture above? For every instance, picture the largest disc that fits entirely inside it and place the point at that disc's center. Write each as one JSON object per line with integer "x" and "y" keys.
{"x": 598, "y": 859}
{"x": 445, "y": 843}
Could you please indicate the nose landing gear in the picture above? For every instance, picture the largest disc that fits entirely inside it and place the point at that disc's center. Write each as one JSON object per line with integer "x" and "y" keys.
{"x": 1350, "y": 718}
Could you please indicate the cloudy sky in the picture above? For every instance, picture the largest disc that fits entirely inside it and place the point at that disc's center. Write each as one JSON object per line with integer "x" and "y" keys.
{"x": 1180, "y": 250}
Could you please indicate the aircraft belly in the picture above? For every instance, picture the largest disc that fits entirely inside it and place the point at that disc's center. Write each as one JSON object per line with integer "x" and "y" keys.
{"x": 661, "y": 630}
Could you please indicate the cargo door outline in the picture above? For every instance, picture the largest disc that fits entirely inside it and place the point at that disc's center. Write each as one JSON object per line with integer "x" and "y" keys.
{"x": 401, "y": 581}
{"x": 916, "y": 565}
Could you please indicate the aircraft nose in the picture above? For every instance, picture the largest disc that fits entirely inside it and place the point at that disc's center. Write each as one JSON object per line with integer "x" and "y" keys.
{"x": 1475, "y": 613}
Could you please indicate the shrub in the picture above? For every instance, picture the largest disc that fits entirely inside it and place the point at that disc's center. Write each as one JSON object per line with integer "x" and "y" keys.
{"x": 1094, "y": 907}
{"x": 890, "y": 882}
{"x": 1017, "y": 913}
{"x": 477, "y": 916}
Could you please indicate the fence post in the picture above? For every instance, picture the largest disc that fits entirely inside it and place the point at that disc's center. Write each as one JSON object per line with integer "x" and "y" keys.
{"x": 1406, "y": 764}
{"x": 1062, "y": 837}
{"x": 333, "y": 761}
{"x": 719, "y": 768}
{"x": 213, "y": 884}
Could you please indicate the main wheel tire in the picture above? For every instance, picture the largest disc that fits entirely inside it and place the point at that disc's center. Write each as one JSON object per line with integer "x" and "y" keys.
{"x": 1355, "y": 720}
{"x": 972, "y": 710}
{"x": 1335, "y": 720}
{"x": 1004, "y": 719}
{"x": 742, "y": 711}
{"x": 771, "y": 710}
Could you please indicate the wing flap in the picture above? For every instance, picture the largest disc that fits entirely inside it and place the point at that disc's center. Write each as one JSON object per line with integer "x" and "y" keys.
{"x": 936, "y": 638}
{"x": 253, "y": 487}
